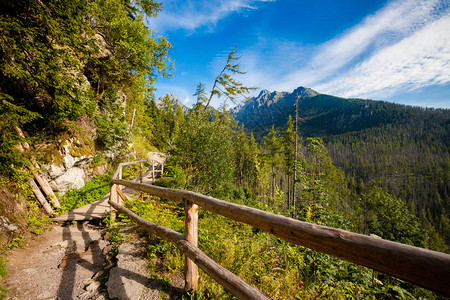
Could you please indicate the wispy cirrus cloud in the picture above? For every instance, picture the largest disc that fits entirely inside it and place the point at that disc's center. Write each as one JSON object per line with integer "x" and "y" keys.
{"x": 406, "y": 44}
{"x": 191, "y": 15}
{"x": 417, "y": 61}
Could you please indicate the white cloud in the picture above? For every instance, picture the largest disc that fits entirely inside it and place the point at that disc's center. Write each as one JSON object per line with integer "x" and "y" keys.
{"x": 191, "y": 15}
{"x": 406, "y": 44}
{"x": 417, "y": 61}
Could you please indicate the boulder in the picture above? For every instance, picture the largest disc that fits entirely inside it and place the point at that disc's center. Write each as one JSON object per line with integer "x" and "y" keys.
{"x": 68, "y": 161}
{"x": 71, "y": 179}
{"x": 54, "y": 171}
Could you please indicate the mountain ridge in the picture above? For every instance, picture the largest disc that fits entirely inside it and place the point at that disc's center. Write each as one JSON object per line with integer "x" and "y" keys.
{"x": 320, "y": 114}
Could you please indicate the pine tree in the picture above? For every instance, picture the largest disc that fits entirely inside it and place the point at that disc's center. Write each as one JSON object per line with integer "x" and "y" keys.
{"x": 274, "y": 146}
{"x": 289, "y": 156}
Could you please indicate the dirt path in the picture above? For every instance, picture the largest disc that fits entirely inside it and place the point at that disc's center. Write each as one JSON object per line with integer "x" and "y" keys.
{"x": 72, "y": 263}
{"x": 63, "y": 263}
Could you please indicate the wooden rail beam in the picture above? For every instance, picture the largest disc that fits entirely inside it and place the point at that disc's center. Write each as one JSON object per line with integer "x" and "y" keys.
{"x": 426, "y": 268}
{"x": 227, "y": 279}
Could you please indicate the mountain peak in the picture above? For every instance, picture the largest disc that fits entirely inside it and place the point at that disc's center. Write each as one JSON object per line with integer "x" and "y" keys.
{"x": 263, "y": 92}
{"x": 267, "y": 98}
{"x": 304, "y": 92}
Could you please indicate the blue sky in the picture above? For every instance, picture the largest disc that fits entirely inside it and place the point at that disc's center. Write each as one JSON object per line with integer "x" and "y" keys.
{"x": 396, "y": 50}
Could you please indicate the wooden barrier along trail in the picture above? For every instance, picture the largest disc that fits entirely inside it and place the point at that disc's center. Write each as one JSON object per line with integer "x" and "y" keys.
{"x": 228, "y": 280}
{"x": 426, "y": 268}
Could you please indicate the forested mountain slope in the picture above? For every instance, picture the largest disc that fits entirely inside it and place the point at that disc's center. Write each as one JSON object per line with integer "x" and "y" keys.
{"x": 404, "y": 148}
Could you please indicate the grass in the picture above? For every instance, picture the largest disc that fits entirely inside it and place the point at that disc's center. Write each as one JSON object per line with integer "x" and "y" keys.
{"x": 277, "y": 268}
{"x": 93, "y": 190}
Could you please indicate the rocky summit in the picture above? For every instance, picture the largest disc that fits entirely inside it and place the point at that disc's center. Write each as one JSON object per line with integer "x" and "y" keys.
{"x": 269, "y": 107}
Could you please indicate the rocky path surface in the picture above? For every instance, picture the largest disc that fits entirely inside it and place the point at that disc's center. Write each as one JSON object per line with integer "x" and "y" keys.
{"x": 73, "y": 263}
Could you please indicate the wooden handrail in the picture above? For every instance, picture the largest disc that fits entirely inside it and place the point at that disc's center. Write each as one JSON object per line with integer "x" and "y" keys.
{"x": 227, "y": 279}
{"x": 426, "y": 268}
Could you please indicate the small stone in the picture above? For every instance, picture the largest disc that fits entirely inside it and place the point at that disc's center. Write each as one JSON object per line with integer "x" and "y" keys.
{"x": 63, "y": 244}
{"x": 45, "y": 295}
{"x": 98, "y": 275}
{"x": 107, "y": 249}
{"x": 93, "y": 286}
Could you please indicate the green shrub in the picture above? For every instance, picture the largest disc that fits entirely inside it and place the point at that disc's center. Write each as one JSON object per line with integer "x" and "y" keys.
{"x": 2, "y": 274}
{"x": 93, "y": 190}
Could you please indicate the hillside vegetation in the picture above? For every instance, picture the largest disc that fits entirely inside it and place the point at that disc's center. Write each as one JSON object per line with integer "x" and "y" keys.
{"x": 212, "y": 156}
{"x": 83, "y": 71}
{"x": 401, "y": 148}
{"x": 70, "y": 71}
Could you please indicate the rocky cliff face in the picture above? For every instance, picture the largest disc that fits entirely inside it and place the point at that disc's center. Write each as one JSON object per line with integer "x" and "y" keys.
{"x": 270, "y": 107}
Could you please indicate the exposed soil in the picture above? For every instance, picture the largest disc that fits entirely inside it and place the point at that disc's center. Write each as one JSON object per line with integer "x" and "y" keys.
{"x": 63, "y": 263}
{"x": 73, "y": 262}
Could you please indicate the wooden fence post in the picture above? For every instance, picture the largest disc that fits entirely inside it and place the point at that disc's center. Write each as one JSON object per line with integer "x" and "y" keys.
{"x": 153, "y": 170}
{"x": 113, "y": 198}
{"x": 113, "y": 195}
{"x": 119, "y": 201}
{"x": 191, "y": 224}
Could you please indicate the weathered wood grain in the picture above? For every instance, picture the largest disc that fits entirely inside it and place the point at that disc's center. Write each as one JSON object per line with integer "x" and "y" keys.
{"x": 47, "y": 190}
{"x": 191, "y": 226}
{"x": 40, "y": 197}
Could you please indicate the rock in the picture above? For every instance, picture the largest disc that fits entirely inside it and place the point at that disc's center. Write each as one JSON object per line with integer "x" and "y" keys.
{"x": 100, "y": 170}
{"x": 98, "y": 275}
{"x": 45, "y": 295}
{"x": 174, "y": 101}
{"x": 107, "y": 249}
{"x": 7, "y": 224}
{"x": 157, "y": 156}
{"x": 62, "y": 244}
{"x": 72, "y": 179}
{"x": 92, "y": 286}
{"x": 68, "y": 161}
{"x": 83, "y": 163}
{"x": 54, "y": 171}
{"x": 109, "y": 266}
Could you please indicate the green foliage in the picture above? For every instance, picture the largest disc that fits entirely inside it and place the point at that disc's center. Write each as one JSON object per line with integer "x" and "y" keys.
{"x": 16, "y": 243}
{"x": 165, "y": 213}
{"x": 204, "y": 150}
{"x": 61, "y": 62}
{"x": 225, "y": 84}
{"x": 3, "y": 292}
{"x": 92, "y": 191}
{"x": 409, "y": 159}
{"x": 37, "y": 221}
{"x": 389, "y": 217}
{"x": 12, "y": 117}
{"x": 279, "y": 269}
{"x": 173, "y": 177}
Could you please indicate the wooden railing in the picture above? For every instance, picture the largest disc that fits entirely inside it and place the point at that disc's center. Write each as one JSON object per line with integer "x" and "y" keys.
{"x": 116, "y": 192}
{"x": 426, "y": 268}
